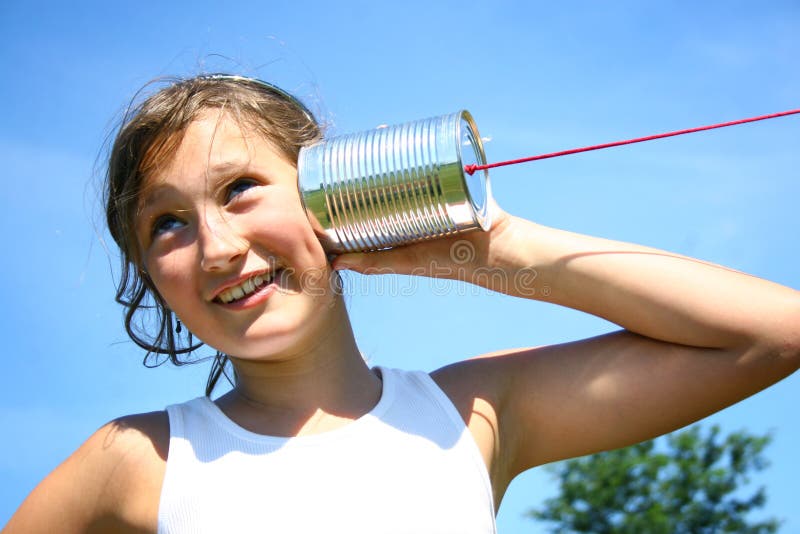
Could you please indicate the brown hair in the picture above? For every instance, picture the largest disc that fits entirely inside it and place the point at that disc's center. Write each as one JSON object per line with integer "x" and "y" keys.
{"x": 149, "y": 135}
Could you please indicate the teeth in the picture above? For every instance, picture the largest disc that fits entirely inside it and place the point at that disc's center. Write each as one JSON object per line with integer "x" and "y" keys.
{"x": 245, "y": 288}
{"x": 249, "y": 286}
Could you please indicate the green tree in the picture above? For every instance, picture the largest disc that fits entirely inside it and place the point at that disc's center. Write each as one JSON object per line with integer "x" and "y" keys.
{"x": 691, "y": 485}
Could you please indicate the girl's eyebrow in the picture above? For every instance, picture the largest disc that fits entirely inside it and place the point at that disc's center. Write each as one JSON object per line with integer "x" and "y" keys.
{"x": 218, "y": 172}
{"x": 227, "y": 167}
{"x": 154, "y": 194}
{"x": 226, "y": 170}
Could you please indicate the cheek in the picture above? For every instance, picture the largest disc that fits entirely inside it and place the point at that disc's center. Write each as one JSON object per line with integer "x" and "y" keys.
{"x": 285, "y": 224}
{"x": 171, "y": 276}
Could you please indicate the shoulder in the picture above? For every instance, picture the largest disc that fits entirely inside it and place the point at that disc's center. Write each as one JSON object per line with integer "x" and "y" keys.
{"x": 124, "y": 446}
{"x": 111, "y": 482}
{"x": 149, "y": 430}
{"x": 475, "y": 387}
{"x": 133, "y": 444}
{"x": 482, "y": 390}
{"x": 485, "y": 377}
{"x": 131, "y": 455}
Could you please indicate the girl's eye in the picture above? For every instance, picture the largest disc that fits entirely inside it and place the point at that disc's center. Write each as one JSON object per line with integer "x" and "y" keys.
{"x": 166, "y": 223}
{"x": 238, "y": 187}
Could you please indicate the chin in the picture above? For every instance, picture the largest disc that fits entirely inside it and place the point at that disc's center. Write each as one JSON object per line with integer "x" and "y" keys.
{"x": 284, "y": 331}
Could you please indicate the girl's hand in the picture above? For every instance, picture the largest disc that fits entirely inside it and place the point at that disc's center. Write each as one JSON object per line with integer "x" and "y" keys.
{"x": 473, "y": 257}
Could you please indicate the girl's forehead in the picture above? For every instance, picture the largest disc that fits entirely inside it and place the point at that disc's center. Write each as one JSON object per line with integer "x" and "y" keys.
{"x": 212, "y": 142}
{"x": 217, "y": 136}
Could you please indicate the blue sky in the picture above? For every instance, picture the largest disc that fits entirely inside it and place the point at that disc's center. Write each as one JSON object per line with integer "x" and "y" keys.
{"x": 537, "y": 78}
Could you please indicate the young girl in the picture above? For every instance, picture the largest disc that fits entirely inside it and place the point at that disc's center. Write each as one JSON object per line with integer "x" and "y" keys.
{"x": 202, "y": 199}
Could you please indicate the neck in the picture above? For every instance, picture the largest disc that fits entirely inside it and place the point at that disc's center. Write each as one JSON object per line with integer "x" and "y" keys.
{"x": 321, "y": 383}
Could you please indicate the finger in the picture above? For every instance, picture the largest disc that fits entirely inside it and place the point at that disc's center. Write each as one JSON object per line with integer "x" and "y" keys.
{"x": 365, "y": 263}
{"x": 400, "y": 260}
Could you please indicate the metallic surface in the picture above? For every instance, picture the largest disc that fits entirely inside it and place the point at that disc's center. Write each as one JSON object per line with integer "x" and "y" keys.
{"x": 395, "y": 185}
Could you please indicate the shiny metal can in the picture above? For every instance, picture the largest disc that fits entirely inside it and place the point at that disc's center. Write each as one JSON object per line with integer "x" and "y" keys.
{"x": 396, "y": 185}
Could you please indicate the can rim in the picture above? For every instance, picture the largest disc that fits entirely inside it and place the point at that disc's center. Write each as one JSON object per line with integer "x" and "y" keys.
{"x": 482, "y": 212}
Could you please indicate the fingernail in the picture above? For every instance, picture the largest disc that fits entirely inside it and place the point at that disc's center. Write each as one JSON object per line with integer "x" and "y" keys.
{"x": 347, "y": 261}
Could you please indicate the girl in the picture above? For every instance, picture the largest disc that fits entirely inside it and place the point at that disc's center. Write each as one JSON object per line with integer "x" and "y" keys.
{"x": 202, "y": 199}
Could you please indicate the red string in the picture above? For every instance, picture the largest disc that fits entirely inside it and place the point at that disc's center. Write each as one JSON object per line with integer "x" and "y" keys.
{"x": 470, "y": 169}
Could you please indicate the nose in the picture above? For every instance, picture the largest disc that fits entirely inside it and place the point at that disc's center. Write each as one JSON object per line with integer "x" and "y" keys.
{"x": 220, "y": 244}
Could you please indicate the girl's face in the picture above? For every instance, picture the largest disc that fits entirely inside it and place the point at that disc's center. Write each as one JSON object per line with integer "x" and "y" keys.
{"x": 227, "y": 243}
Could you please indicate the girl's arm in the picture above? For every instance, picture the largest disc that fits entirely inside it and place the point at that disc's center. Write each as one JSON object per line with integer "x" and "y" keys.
{"x": 698, "y": 337}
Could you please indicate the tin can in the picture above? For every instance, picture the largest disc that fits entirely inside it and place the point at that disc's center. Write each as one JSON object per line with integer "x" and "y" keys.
{"x": 396, "y": 185}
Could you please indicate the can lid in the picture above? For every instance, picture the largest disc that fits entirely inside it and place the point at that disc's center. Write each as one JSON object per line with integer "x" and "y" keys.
{"x": 477, "y": 184}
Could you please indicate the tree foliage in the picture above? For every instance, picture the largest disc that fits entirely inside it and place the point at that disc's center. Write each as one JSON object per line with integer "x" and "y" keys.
{"x": 690, "y": 485}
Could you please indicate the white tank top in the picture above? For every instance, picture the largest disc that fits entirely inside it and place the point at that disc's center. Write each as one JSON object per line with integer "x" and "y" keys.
{"x": 408, "y": 466}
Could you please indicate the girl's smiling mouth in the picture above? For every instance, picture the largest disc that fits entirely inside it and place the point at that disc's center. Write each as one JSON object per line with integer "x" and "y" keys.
{"x": 250, "y": 291}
